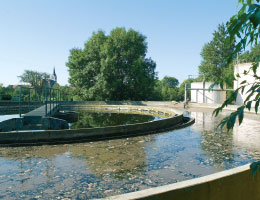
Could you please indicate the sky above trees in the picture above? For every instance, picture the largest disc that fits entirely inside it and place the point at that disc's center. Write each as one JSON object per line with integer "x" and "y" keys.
{"x": 37, "y": 35}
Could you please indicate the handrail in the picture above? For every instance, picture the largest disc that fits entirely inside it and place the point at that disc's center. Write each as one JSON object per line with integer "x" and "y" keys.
{"x": 20, "y": 97}
{"x": 51, "y": 96}
{"x": 54, "y": 97}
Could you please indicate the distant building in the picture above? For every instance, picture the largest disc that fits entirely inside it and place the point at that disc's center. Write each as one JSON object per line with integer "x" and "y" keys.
{"x": 53, "y": 79}
{"x": 211, "y": 97}
{"x": 54, "y": 76}
{"x": 17, "y": 86}
{"x": 239, "y": 69}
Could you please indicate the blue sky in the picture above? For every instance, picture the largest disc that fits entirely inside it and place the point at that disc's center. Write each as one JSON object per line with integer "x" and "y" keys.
{"x": 38, "y": 34}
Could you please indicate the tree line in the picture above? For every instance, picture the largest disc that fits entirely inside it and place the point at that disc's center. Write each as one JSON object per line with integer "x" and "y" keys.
{"x": 115, "y": 67}
{"x": 167, "y": 89}
{"x": 32, "y": 79}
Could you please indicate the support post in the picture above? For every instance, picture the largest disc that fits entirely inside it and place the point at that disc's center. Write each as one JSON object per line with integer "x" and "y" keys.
{"x": 56, "y": 98}
{"x": 29, "y": 99}
{"x": 204, "y": 90}
{"x": 50, "y": 100}
{"x": 185, "y": 93}
{"x": 45, "y": 99}
{"x": 20, "y": 98}
{"x": 197, "y": 94}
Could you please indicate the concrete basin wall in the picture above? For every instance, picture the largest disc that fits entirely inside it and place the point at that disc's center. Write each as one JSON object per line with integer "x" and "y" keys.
{"x": 88, "y": 134}
{"x": 234, "y": 184}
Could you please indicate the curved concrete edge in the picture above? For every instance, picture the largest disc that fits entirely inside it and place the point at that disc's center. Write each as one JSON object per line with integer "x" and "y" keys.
{"x": 229, "y": 108}
{"x": 91, "y": 134}
{"x": 236, "y": 183}
{"x": 127, "y": 108}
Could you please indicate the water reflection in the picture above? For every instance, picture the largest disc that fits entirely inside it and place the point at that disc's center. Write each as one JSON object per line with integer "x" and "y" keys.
{"x": 105, "y": 168}
{"x": 217, "y": 143}
{"x": 32, "y": 152}
{"x": 120, "y": 158}
{"x": 227, "y": 148}
{"x": 6, "y": 117}
{"x": 101, "y": 119}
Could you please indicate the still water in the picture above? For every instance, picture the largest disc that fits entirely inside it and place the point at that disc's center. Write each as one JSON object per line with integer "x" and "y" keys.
{"x": 6, "y": 117}
{"x": 105, "y": 168}
{"x": 101, "y": 119}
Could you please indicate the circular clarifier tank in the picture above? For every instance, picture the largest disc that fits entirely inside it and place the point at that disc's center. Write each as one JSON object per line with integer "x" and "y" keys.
{"x": 102, "y": 169}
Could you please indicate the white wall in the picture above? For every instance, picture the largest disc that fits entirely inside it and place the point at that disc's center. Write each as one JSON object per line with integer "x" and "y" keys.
{"x": 239, "y": 69}
{"x": 212, "y": 97}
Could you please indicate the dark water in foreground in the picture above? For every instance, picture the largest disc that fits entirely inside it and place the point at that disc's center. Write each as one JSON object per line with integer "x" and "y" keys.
{"x": 100, "y": 169}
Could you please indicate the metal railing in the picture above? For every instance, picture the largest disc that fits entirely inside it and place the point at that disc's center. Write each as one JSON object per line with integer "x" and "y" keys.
{"x": 52, "y": 98}
{"x": 29, "y": 100}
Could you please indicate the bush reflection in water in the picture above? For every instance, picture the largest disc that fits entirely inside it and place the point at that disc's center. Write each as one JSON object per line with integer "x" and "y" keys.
{"x": 101, "y": 119}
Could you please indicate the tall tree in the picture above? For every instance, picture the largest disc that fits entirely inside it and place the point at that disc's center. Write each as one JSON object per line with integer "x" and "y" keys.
{"x": 245, "y": 27}
{"x": 113, "y": 67}
{"x": 167, "y": 88}
{"x": 35, "y": 79}
{"x": 250, "y": 56}
{"x": 214, "y": 55}
{"x": 170, "y": 82}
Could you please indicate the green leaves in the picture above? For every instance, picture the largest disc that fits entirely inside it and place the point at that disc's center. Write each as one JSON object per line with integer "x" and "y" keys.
{"x": 241, "y": 114}
{"x": 230, "y": 120}
{"x": 215, "y": 55}
{"x": 245, "y": 26}
{"x": 113, "y": 67}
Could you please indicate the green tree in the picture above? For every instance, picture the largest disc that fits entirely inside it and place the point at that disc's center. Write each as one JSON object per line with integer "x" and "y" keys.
{"x": 250, "y": 56}
{"x": 6, "y": 93}
{"x": 170, "y": 82}
{"x": 34, "y": 78}
{"x": 214, "y": 55}
{"x": 244, "y": 26}
{"x": 113, "y": 67}
{"x": 166, "y": 89}
{"x": 169, "y": 90}
{"x": 181, "y": 91}
{"x": 66, "y": 92}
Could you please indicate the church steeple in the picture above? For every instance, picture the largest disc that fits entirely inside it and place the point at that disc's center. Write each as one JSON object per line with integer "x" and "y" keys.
{"x": 54, "y": 76}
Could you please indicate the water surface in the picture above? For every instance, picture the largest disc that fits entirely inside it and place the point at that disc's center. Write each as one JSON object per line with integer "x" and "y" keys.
{"x": 102, "y": 119}
{"x": 105, "y": 168}
{"x": 6, "y": 117}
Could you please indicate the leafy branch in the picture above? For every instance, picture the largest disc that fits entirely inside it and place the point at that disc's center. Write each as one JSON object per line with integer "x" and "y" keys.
{"x": 245, "y": 27}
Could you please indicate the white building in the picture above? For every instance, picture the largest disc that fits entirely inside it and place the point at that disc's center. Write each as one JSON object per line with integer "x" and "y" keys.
{"x": 239, "y": 69}
{"x": 211, "y": 97}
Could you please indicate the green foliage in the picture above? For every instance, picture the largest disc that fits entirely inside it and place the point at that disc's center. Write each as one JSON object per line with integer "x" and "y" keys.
{"x": 214, "y": 55}
{"x": 182, "y": 88}
{"x": 99, "y": 119}
{"x": 244, "y": 26}
{"x": 167, "y": 90}
{"x": 6, "y": 97}
{"x": 170, "y": 82}
{"x": 6, "y": 93}
{"x": 250, "y": 56}
{"x": 34, "y": 78}
{"x": 66, "y": 92}
{"x": 113, "y": 67}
